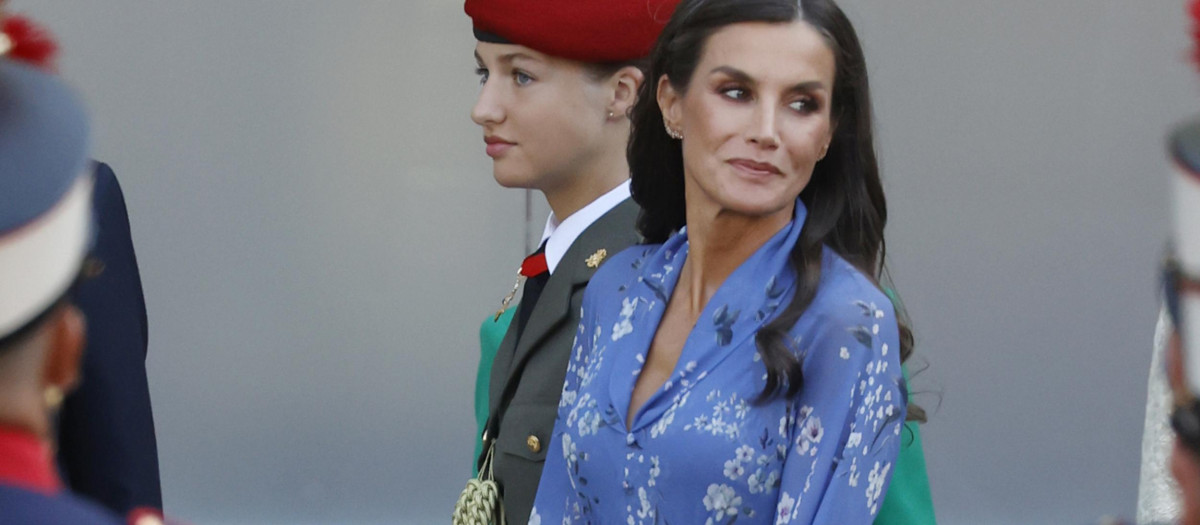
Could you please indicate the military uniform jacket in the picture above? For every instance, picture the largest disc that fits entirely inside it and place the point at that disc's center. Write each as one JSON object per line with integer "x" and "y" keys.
{"x": 533, "y": 368}
{"x": 106, "y": 443}
{"x": 30, "y": 491}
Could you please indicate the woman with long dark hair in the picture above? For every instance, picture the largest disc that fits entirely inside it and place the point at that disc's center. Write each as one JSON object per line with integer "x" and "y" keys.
{"x": 746, "y": 366}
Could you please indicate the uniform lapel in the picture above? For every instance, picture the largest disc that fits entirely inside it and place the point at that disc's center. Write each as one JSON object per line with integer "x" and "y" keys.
{"x": 612, "y": 232}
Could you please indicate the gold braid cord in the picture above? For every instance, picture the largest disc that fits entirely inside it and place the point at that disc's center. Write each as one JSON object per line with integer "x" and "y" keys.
{"x": 479, "y": 503}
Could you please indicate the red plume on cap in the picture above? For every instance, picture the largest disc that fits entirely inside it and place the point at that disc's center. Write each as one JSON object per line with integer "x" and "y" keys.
{"x": 22, "y": 39}
{"x": 1194, "y": 10}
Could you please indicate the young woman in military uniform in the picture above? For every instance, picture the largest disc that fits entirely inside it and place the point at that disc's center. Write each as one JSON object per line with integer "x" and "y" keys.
{"x": 557, "y": 80}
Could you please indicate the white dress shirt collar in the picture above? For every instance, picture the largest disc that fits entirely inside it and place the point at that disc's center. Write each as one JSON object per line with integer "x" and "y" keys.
{"x": 560, "y": 236}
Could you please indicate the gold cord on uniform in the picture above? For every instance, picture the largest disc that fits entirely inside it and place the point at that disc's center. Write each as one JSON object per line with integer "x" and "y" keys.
{"x": 480, "y": 503}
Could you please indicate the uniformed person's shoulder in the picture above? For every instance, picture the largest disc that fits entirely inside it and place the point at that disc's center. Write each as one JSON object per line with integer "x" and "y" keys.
{"x": 24, "y": 507}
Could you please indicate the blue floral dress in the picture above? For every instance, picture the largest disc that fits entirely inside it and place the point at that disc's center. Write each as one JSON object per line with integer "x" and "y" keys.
{"x": 701, "y": 450}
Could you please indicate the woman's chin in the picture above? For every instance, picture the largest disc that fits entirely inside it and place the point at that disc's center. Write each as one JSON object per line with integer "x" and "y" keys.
{"x": 757, "y": 205}
{"x": 507, "y": 179}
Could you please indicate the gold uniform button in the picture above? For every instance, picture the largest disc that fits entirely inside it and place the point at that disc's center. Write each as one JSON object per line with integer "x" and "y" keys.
{"x": 534, "y": 444}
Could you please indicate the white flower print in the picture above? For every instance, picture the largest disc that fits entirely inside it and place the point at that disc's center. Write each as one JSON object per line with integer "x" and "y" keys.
{"x": 741, "y": 408}
{"x": 755, "y": 482}
{"x": 810, "y": 434}
{"x": 783, "y": 513}
{"x": 534, "y": 518}
{"x": 721, "y": 499}
{"x": 854, "y": 472}
{"x": 744, "y": 454}
{"x": 655, "y": 470}
{"x": 589, "y": 423}
{"x": 772, "y": 479}
{"x": 668, "y": 417}
{"x": 875, "y": 485}
{"x": 844, "y": 353}
{"x": 645, "y": 511}
{"x": 624, "y": 325}
{"x": 622, "y": 329}
{"x": 734, "y": 469}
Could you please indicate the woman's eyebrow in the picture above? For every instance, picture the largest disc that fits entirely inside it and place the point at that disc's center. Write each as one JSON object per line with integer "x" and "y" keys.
{"x": 733, "y": 73}
{"x": 811, "y": 85}
{"x": 507, "y": 58}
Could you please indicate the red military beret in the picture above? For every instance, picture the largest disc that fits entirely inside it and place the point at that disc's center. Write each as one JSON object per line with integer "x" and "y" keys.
{"x": 585, "y": 30}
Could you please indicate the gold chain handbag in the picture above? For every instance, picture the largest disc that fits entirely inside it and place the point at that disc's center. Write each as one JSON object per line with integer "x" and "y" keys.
{"x": 480, "y": 503}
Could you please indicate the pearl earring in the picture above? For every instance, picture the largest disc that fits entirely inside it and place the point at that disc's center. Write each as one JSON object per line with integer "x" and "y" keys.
{"x": 671, "y": 132}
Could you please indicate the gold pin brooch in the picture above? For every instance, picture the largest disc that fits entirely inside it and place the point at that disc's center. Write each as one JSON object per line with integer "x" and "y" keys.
{"x": 595, "y": 259}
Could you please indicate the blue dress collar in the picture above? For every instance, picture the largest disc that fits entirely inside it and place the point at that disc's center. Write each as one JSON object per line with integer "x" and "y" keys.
{"x": 747, "y": 299}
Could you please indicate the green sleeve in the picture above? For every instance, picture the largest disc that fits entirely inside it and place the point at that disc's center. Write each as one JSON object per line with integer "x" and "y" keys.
{"x": 908, "y": 500}
{"x": 491, "y": 333}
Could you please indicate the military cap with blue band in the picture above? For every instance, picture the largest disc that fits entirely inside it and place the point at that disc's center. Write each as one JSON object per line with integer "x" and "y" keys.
{"x": 45, "y": 192}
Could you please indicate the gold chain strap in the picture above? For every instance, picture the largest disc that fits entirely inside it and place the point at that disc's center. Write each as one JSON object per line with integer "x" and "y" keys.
{"x": 480, "y": 503}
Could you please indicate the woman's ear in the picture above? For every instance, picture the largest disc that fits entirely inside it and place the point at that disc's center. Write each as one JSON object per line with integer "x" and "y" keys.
{"x": 68, "y": 335}
{"x": 669, "y": 102}
{"x": 626, "y": 83}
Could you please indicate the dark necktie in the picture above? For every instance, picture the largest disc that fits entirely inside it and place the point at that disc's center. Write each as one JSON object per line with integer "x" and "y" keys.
{"x": 536, "y": 273}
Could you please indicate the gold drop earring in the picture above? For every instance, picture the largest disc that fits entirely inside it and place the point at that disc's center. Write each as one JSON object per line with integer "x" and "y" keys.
{"x": 53, "y": 397}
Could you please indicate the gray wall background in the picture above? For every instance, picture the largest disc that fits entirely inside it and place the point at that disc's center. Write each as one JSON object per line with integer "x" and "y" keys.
{"x": 319, "y": 236}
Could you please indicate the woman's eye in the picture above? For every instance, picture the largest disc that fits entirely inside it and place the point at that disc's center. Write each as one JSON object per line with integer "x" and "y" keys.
{"x": 804, "y": 106}
{"x": 521, "y": 78}
{"x": 735, "y": 93}
{"x": 483, "y": 75}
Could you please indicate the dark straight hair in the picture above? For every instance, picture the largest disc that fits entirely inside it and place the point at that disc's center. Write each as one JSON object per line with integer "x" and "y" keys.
{"x": 846, "y": 206}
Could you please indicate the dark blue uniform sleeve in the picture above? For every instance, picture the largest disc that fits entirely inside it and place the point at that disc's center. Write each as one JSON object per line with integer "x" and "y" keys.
{"x": 23, "y": 507}
{"x": 107, "y": 448}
